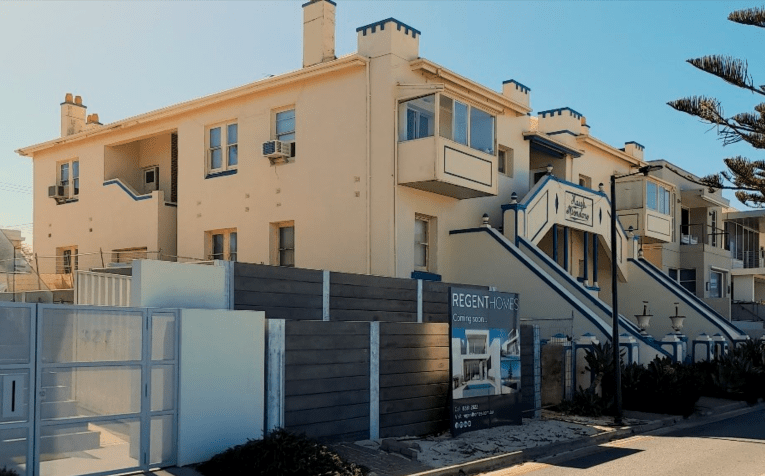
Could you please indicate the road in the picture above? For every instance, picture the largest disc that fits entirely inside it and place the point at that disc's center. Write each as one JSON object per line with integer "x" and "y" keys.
{"x": 732, "y": 447}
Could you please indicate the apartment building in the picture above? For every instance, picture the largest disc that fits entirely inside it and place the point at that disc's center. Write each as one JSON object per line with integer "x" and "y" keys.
{"x": 382, "y": 162}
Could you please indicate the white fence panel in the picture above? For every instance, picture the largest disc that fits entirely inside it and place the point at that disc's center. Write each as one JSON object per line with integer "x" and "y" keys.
{"x": 102, "y": 289}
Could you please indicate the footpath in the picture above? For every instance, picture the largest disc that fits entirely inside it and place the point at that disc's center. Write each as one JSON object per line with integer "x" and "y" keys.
{"x": 499, "y": 448}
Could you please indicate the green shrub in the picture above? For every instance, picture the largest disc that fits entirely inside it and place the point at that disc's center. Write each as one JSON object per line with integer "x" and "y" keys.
{"x": 583, "y": 403}
{"x": 280, "y": 454}
{"x": 7, "y": 472}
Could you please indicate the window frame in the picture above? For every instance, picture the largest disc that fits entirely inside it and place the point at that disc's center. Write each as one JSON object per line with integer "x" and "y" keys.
{"x": 276, "y": 243}
{"x": 429, "y": 244}
{"x": 226, "y": 253}
{"x": 662, "y": 198}
{"x": 72, "y": 185}
{"x": 585, "y": 181}
{"x": 505, "y": 164}
{"x": 64, "y": 263}
{"x": 224, "y": 146}
{"x": 469, "y": 107}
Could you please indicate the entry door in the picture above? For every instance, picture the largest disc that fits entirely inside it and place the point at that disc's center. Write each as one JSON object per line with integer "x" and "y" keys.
{"x": 106, "y": 390}
{"x": 17, "y": 323}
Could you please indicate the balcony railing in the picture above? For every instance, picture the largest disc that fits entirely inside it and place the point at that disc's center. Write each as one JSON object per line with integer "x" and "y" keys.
{"x": 701, "y": 233}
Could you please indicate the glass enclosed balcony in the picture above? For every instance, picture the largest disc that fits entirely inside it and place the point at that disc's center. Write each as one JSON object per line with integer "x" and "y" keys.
{"x": 446, "y": 146}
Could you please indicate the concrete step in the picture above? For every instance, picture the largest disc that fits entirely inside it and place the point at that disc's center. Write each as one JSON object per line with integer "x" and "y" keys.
{"x": 62, "y": 440}
{"x": 57, "y": 393}
{"x": 60, "y": 409}
{"x": 52, "y": 378}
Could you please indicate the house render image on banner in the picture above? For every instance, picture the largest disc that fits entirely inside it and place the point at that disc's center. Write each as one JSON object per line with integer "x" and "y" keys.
{"x": 381, "y": 162}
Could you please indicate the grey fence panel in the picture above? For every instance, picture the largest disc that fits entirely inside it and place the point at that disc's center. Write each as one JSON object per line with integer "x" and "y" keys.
{"x": 327, "y": 379}
{"x": 414, "y": 378}
{"x": 358, "y": 297}
{"x": 283, "y": 293}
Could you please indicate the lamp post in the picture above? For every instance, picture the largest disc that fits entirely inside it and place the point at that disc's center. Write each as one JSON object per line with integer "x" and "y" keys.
{"x": 614, "y": 293}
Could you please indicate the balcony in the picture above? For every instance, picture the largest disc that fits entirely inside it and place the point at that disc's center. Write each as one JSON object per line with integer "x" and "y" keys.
{"x": 442, "y": 166}
{"x": 144, "y": 165}
{"x": 447, "y": 147}
{"x": 646, "y": 204}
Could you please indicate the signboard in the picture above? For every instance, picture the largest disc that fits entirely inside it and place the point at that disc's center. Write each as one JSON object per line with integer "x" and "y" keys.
{"x": 485, "y": 359}
{"x": 578, "y": 208}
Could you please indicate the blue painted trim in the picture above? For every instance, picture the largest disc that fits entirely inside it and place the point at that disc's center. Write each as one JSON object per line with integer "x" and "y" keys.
{"x": 685, "y": 296}
{"x": 71, "y": 200}
{"x": 586, "y": 247}
{"x": 171, "y": 204}
{"x": 555, "y": 242}
{"x": 565, "y": 248}
{"x": 381, "y": 24}
{"x": 542, "y": 142}
{"x": 513, "y": 206}
{"x": 518, "y": 85}
{"x": 595, "y": 258}
{"x": 328, "y": 1}
{"x": 425, "y": 276}
{"x": 559, "y": 110}
{"x": 122, "y": 186}
{"x": 639, "y": 146}
{"x": 221, "y": 174}
{"x": 562, "y": 131}
{"x": 593, "y": 288}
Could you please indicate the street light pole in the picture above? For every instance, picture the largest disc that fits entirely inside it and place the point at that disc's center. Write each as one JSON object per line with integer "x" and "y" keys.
{"x": 614, "y": 295}
{"x": 615, "y": 311}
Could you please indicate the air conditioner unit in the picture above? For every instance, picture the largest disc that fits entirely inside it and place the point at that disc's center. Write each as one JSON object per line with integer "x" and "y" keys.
{"x": 277, "y": 150}
{"x": 57, "y": 191}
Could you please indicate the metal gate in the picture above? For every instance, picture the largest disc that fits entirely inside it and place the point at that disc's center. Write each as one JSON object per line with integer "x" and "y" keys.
{"x": 101, "y": 384}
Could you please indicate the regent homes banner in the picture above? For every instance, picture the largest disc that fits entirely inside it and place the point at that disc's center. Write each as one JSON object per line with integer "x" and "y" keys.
{"x": 485, "y": 359}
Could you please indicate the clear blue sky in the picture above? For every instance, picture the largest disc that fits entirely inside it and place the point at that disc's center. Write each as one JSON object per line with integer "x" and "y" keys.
{"x": 618, "y": 63}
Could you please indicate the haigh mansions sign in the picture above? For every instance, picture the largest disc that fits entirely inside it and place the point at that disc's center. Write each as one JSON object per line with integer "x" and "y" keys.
{"x": 485, "y": 359}
{"x": 578, "y": 208}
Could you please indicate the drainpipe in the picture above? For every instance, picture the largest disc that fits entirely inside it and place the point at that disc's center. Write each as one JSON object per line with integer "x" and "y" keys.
{"x": 369, "y": 169}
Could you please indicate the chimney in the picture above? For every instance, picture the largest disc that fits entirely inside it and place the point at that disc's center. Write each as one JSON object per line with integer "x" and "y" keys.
{"x": 318, "y": 32}
{"x": 72, "y": 115}
{"x": 563, "y": 123}
{"x": 389, "y": 37}
{"x": 634, "y": 149}
{"x": 516, "y": 92}
{"x": 92, "y": 122}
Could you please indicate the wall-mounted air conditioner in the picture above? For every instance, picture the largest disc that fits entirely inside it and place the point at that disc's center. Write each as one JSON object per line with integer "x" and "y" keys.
{"x": 277, "y": 151}
{"x": 57, "y": 191}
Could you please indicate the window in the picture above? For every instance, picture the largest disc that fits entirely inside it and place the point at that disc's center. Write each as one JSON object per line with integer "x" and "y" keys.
{"x": 285, "y": 125}
{"x": 417, "y": 118}
{"x": 505, "y": 160}
{"x": 715, "y": 285}
{"x": 126, "y": 255}
{"x": 222, "y": 148}
{"x": 539, "y": 175}
{"x": 453, "y": 122}
{"x": 66, "y": 260}
{"x": 221, "y": 244}
{"x": 585, "y": 181}
{"x": 481, "y": 131}
{"x": 658, "y": 198}
{"x": 424, "y": 229}
{"x": 463, "y": 124}
{"x": 283, "y": 243}
{"x": 150, "y": 179}
{"x": 672, "y": 272}
{"x": 688, "y": 279}
{"x": 69, "y": 177}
